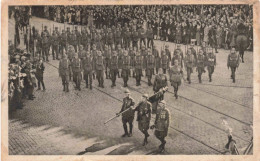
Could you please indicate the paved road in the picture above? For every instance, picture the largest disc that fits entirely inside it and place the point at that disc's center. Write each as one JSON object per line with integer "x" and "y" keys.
{"x": 72, "y": 123}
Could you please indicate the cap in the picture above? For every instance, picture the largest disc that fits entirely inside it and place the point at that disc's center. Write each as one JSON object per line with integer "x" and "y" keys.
{"x": 145, "y": 95}
{"x": 127, "y": 91}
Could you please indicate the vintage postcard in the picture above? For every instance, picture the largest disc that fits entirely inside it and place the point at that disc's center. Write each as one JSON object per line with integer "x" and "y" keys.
{"x": 130, "y": 80}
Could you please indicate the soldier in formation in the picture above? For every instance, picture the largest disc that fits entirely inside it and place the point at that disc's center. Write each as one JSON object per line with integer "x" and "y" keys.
{"x": 233, "y": 63}
{"x": 176, "y": 74}
{"x": 64, "y": 72}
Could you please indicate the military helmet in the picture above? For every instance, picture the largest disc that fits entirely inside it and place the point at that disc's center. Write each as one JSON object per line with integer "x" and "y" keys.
{"x": 127, "y": 91}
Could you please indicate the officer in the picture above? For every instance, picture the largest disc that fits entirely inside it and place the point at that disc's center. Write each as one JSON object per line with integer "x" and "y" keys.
{"x": 189, "y": 63}
{"x": 157, "y": 58}
{"x": 144, "y": 116}
{"x": 233, "y": 62}
{"x": 126, "y": 67}
{"x": 55, "y": 45}
{"x": 63, "y": 42}
{"x": 64, "y": 71}
{"x": 176, "y": 74}
{"x": 39, "y": 74}
{"x": 87, "y": 64}
{"x": 138, "y": 68}
{"x": 164, "y": 62}
{"x": 107, "y": 56}
{"x": 113, "y": 66}
{"x": 128, "y": 116}
{"x": 45, "y": 47}
{"x": 161, "y": 124}
{"x": 211, "y": 62}
{"x": 150, "y": 66}
{"x": 99, "y": 67}
{"x": 200, "y": 64}
{"x": 160, "y": 81}
{"x": 77, "y": 68}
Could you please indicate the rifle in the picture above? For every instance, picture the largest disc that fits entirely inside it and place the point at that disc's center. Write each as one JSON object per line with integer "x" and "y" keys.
{"x": 112, "y": 118}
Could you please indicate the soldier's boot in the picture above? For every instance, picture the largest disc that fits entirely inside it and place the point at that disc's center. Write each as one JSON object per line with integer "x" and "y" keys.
{"x": 125, "y": 130}
{"x": 234, "y": 79}
{"x": 199, "y": 78}
{"x": 146, "y": 135}
{"x": 64, "y": 88}
{"x": 90, "y": 86}
{"x": 43, "y": 86}
{"x": 162, "y": 149}
{"x": 136, "y": 82}
{"x": 210, "y": 78}
{"x": 94, "y": 76}
{"x": 67, "y": 88}
{"x": 106, "y": 75}
{"x": 130, "y": 129}
{"x": 79, "y": 86}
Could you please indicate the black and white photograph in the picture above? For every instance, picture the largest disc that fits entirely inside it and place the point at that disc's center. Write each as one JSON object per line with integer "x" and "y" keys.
{"x": 138, "y": 79}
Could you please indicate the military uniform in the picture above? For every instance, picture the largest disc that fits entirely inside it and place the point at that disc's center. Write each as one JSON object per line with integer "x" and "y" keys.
{"x": 138, "y": 69}
{"x": 63, "y": 42}
{"x": 143, "y": 117}
{"x": 128, "y": 116}
{"x": 82, "y": 52}
{"x": 107, "y": 56}
{"x": 164, "y": 62}
{"x": 157, "y": 59}
{"x": 120, "y": 61}
{"x": 135, "y": 38}
{"x": 77, "y": 68}
{"x": 55, "y": 46}
{"x": 178, "y": 55}
{"x": 160, "y": 81}
{"x": 64, "y": 71}
{"x": 113, "y": 66}
{"x": 149, "y": 33}
{"x": 45, "y": 48}
{"x": 233, "y": 63}
{"x": 132, "y": 56}
{"x": 211, "y": 62}
{"x": 150, "y": 68}
{"x": 175, "y": 73}
{"x": 73, "y": 41}
{"x": 189, "y": 63}
{"x": 200, "y": 65}
{"x": 167, "y": 52}
{"x": 99, "y": 67}
{"x": 162, "y": 122}
{"x": 126, "y": 69}
{"x": 87, "y": 64}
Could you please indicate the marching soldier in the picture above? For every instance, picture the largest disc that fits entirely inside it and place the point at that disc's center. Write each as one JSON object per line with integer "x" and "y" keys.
{"x": 200, "y": 64}
{"x": 77, "y": 68}
{"x": 150, "y": 66}
{"x": 85, "y": 39}
{"x": 110, "y": 38}
{"x": 78, "y": 36}
{"x": 135, "y": 38}
{"x": 55, "y": 45}
{"x": 193, "y": 52}
{"x": 178, "y": 55}
{"x": 189, "y": 63}
{"x": 120, "y": 59}
{"x": 132, "y": 56}
{"x": 46, "y": 32}
{"x": 138, "y": 68}
{"x": 157, "y": 58}
{"x": 175, "y": 73}
{"x": 73, "y": 40}
{"x": 128, "y": 116}
{"x": 70, "y": 55}
{"x": 118, "y": 38}
{"x": 94, "y": 56}
{"x": 167, "y": 52}
{"x": 113, "y": 66}
{"x": 127, "y": 37}
{"x": 144, "y": 54}
{"x": 45, "y": 47}
{"x": 126, "y": 67}
{"x": 164, "y": 62}
{"x": 160, "y": 81}
{"x": 63, "y": 42}
{"x": 149, "y": 33}
{"x": 142, "y": 36}
{"x": 39, "y": 74}
{"x": 233, "y": 63}
{"x": 144, "y": 116}
{"x": 88, "y": 64}
{"x": 211, "y": 62}
{"x": 64, "y": 72}
{"x": 107, "y": 56}
{"x": 29, "y": 81}
{"x": 82, "y": 52}
{"x": 161, "y": 124}
{"x": 99, "y": 67}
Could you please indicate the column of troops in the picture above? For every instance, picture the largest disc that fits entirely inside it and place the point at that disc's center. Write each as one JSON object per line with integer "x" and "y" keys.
{"x": 123, "y": 52}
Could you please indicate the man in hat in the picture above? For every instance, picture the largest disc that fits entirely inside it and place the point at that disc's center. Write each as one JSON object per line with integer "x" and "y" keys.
{"x": 64, "y": 72}
{"x": 161, "y": 124}
{"x": 128, "y": 116}
{"x": 138, "y": 68}
{"x": 233, "y": 62}
{"x": 99, "y": 67}
{"x": 88, "y": 64}
{"x": 126, "y": 67}
{"x": 55, "y": 45}
{"x": 39, "y": 74}
{"x": 113, "y": 66}
{"x": 150, "y": 65}
{"x": 77, "y": 68}
{"x": 144, "y": 116}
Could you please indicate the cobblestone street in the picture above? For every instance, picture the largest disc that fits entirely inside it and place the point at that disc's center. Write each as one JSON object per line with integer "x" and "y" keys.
{"x": 57, "y": 123}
